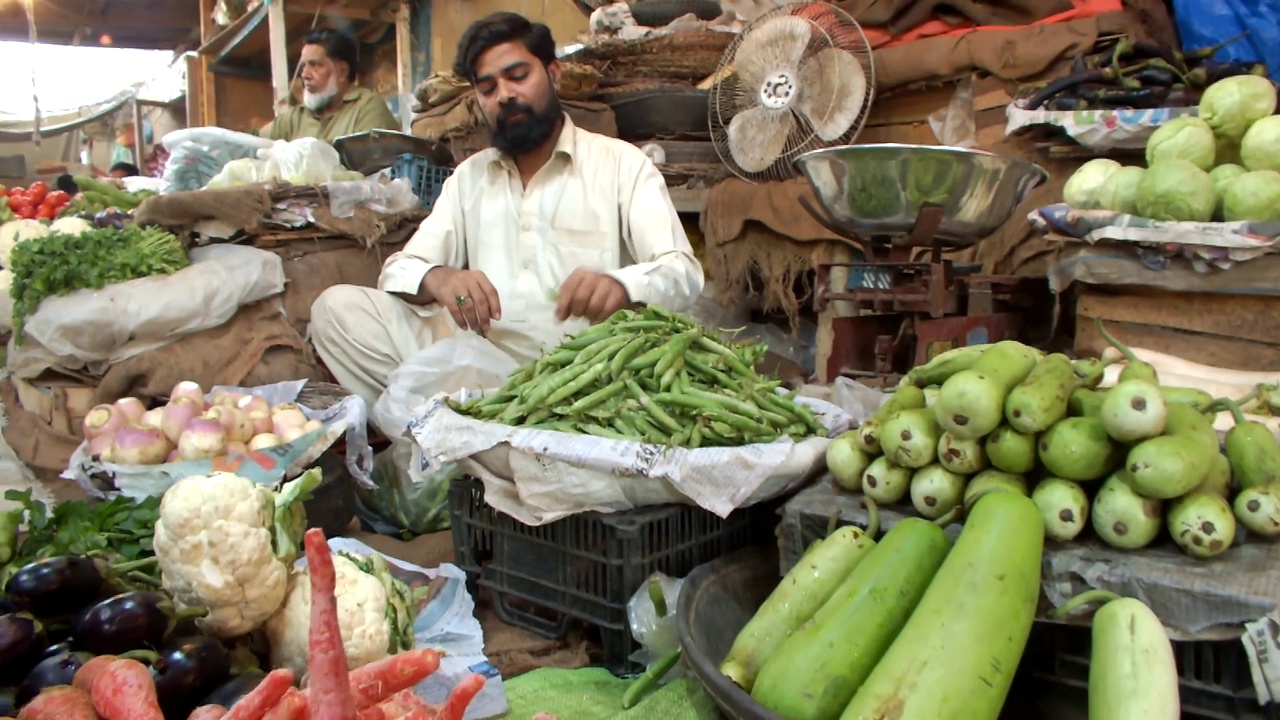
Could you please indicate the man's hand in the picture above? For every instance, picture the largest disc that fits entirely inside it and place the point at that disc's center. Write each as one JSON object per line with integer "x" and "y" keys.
{"x": 591, "y": 295}
{"x": 468, "y": 295}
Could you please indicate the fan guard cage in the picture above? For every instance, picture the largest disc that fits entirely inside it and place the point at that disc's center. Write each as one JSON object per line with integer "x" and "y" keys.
{"x": 830, "y": 28}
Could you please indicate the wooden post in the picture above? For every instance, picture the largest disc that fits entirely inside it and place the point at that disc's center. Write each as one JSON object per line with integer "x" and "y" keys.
{"x": 404, "y": 48}
{"x": 278, "y": 35}
{"x": 137, "y": 132}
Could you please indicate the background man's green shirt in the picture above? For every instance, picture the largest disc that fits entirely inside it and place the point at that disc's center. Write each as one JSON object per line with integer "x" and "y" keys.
{"x": 362, "y": 110}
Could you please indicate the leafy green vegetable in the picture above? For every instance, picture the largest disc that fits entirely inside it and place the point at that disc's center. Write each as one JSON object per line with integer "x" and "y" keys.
{"x": 61, "y": 264}
{"x": 117, "y": 530}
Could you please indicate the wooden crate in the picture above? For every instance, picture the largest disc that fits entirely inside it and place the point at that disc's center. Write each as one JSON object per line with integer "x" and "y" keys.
{"x": 1232, "y": 331}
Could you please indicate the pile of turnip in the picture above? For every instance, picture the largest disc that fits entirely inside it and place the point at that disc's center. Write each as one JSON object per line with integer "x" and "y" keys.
{"x": 1132, "y": 461}
{"x": 190, "y": 428}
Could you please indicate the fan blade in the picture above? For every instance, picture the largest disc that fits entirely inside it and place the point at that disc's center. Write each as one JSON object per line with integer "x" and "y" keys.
{"x": 833, "y": 89}
{"x": 776, "y": 44}
{"x": 758, "y": 136}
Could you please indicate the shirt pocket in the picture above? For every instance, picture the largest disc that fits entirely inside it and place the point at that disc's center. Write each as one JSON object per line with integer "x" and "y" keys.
{"x": 572, "y": 249}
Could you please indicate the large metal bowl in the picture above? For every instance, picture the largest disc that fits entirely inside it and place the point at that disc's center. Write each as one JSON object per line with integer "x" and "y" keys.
{"x": 371, "y": 151}
{"x": 873, "y": 191}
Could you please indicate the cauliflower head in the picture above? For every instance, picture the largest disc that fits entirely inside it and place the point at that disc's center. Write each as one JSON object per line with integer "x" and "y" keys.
{"x": 362, "y": 618}
{"x": 214, "y": 544}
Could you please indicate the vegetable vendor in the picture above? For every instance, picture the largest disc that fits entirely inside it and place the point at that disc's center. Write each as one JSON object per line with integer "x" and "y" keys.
{"x": 552, "y": 228}
{"x": 332, "y": 104}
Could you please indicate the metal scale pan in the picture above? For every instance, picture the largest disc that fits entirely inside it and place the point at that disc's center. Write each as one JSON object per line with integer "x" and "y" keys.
{"x": 904, "y": 205}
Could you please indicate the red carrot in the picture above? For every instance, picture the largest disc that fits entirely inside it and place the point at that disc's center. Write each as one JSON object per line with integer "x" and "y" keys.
{"x": 85, "y": 676}
{"x": 293, "y": 706}
{"x": 461, "y": 696}
{"x": 124, "y": 690}
{"x": 255, "y": 704}
{"x": 61, "y": 702}
{"x": 379, "y": 680}
{"x": 207, "y": 712}
{"x": 330, "y": 685}
{"x": 396, "y": 706}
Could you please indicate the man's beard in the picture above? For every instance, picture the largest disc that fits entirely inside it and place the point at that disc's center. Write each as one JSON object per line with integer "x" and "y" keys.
{"x": 526, "y": 133}
{"x": 315, "y": 102}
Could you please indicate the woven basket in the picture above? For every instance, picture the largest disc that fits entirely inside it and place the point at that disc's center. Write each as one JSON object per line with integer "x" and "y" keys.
{"x": 578, "y": 81}
{"x": 689, "y": 55}
{"x": 321, "y": 395}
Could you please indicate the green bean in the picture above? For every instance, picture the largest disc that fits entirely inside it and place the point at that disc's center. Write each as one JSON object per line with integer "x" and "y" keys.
{"x": 576, "y": 385}
{"x": 669, "y": 377}
{"x": 601, "y": 349}
{"x": 647, "y": 359}
{"x": 588, "y": 402}
{"x": 706, "y": 370}
{"x": 665, "y": 421}
{"x": 695, "y": 437}
{"x": 628, "y": 353}
{"x": 741, "y": 423}
{"x": 741, "y": 407}
{"x": 604, "y": 432}
{"x": 648, "y": 429}
{"x": 539, "y": 391}
{"x": 735, "y": 364}
{"x": 675, "y": 352}
{"x": 538, "y": 416}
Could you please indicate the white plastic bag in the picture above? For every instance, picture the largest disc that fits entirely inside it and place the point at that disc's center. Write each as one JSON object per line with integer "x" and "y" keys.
{"x": 463, "y": 361}
{"x": 94, "y": 329}
{"x": 656, "y": 635}
{"x": 388, "y": 198}
{"x": 305, "y": 161}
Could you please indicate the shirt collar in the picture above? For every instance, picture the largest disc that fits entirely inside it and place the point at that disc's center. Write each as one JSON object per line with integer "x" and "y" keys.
{"x": 566, "y": 145}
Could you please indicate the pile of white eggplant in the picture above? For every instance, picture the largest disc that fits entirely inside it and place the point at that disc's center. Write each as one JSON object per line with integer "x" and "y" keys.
{"x": 1111, "y": 444}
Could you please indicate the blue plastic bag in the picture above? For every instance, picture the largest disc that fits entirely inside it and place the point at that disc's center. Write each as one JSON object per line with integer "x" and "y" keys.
{"x": 1203, "y": 24}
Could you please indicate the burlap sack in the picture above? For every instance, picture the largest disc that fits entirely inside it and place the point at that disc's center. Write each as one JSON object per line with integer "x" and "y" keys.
{"x": 312, "y": 267}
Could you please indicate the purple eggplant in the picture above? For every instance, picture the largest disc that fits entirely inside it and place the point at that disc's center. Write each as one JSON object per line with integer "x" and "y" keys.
{"x": 128, "y": 621}
{"x": 55, "y": 670}
{"x": 187, "y": 669}
{"x": 22, "y": 640}
{"x": 63, "y": 585}
{"x": 111, "y": 218}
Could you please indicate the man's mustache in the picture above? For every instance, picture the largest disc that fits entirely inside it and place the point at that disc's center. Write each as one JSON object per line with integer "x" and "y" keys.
{"x": 512, "y": 109}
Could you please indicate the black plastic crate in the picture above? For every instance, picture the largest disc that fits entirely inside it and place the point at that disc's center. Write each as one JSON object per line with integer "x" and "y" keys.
{"x": 585, "y": 568}
{"x": 1214, "y": 679}
{"x": 427, "y": 180}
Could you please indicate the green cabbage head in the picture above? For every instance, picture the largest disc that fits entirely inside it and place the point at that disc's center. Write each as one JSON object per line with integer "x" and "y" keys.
{"x": 1176, "y": 190}
{"x": 1081, "y": 189}
{"x": 1253, "y": 196}
{"x": 1222, "y": 176}
{"x": 1260, "y": 147}
{"x": 1120, "y": 191}
{"x": 1185, "y": 138}
{"x": 1231, "y": 105}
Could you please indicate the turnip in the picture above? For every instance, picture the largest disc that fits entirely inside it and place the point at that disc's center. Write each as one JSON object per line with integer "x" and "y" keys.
{"x": 291, "y": 433}
{"x": 1063, "y": 506}
{"x": 203, "y": 438}
{"x": 1202, "y": 524}
{"x": 252, "y": 404}
{"x": 132, "y": 408}
{"x": 286, "y": 416}
{"x": 187, "y": 389}
{"x": 177, "y": 414}
{"x": 1258, "y": 510}
{"x": 1134, "y": 410}
{"x": 263, "y": 441}
{"x": 103, "y": 420}
{"x": 1122, "y": 518}
{"x": 139, "y": 445}
{"x": 100, "y": 446}
{"x": 152, "y": 418}
{"x": 936, "y": 491}
{"x": 173, "y": 456}
{"x": 235, "y": 423}
{"x": 845, "y": 460}
{"x": 237, "y": 448}
{"x": 225, "y": 399}
{"x": 261, "y": 421}
{"x": 312, "y": 426}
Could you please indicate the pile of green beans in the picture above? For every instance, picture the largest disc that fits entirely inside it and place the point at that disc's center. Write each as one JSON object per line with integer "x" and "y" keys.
{"x": 649, "y": 376}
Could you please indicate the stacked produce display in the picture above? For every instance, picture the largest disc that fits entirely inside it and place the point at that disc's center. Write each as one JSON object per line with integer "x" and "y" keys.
{"x": 1222, "y": 165}
{"x": 1129, "y": 461}
{"x": 190, "y": 607}
{"x": 189, "y": 427}
{"x": 649, "y": 376}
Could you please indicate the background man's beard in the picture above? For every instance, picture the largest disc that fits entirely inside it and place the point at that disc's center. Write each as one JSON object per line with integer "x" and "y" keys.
{"x": 316, "y": 102}
{"x": 526, "y": 133}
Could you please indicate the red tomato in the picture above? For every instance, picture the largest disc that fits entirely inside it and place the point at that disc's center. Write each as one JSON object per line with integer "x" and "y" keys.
{"x": 37, "y": 192}
{"x": 58, "y": 198}
{"x": 26, "y": 212}
{"x": 46, "y": 213}
{"x": 18, "y": 200}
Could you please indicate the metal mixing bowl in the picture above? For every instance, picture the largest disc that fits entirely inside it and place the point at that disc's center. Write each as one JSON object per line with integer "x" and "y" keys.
{"x": 878, "y": 190}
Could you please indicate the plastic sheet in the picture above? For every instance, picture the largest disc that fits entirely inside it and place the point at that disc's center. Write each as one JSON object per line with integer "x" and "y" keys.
{"x": 656, "y": 635}
{"x": 1203, "y": 24}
